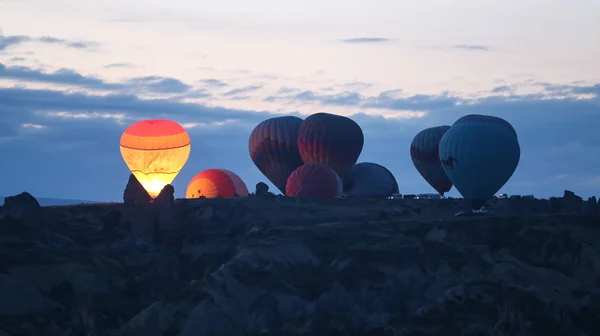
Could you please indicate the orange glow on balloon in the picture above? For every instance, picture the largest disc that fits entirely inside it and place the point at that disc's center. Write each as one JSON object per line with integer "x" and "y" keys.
{"x": 213, "y": 183}
{"x": 155, "y": 151}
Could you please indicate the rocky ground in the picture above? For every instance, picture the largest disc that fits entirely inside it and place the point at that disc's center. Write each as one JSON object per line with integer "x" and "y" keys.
{"x": 277, "y": 266}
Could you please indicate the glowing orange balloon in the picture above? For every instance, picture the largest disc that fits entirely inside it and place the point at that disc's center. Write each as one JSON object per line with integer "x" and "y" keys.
{"x": 155, "y": 151}
{"x": 213, "y": 183}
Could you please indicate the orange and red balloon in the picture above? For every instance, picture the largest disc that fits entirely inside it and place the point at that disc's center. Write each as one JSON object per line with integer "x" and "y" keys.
{"x": 213, "y": 183}
{"x": 155, "y": 151}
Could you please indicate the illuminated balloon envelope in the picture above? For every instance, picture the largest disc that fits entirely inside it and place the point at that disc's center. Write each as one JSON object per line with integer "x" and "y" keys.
{"x": 213, "y": 183}
{"x": 155, "y": 151}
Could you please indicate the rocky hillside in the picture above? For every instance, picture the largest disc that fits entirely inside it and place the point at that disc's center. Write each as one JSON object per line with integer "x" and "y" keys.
{"x": 277, "y": 266}
{"x": 56, "y": 201}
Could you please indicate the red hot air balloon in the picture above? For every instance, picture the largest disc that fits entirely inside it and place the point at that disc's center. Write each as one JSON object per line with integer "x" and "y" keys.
{"x": 331, "y": 140}
{"x": 213, "y": 183}
{"x": 274, "y": 150}
{"x": 315, "y": 181}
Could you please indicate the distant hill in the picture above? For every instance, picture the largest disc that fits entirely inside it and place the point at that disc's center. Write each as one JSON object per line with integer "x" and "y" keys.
{"x": 56, "y": 201}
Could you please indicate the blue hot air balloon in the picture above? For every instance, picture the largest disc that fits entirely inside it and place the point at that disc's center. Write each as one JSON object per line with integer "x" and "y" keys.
{"x": 481, "y": 118}
{"x": 369, "y": 180}
{"x": 424, "y": 152}
{"x": 479, "y": 155}
{"x": 331, "y": 140}
{"x": 273, "y": 146}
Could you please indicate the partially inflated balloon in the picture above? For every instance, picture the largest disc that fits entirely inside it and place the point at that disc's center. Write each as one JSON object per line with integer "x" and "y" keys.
{"x": 479, "y": 156}
{"x": 331, "y": 140}
{"x": 155, "y": 151}
{"x": 273, "y": 148}
{"x": 315, "y": 181}
{"x": 368, "y": 179}
{"x": 424, "y": 152}
{"x": 213, "y": 183}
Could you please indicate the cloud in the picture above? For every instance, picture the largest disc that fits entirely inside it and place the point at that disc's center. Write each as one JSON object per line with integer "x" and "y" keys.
{"x": 199, "y": 93}
{"x": 366, "y": 40}
{"x": 420, "y": 102}
{"x": 120, "y": 65}
{"x": 471, "y": 47}
{"x": 570, "y": 89}
{"x": 73, "y": 137}
{"x": 62, "y": 76}
{"x": 287, "y": 90}
{"x": 357, "y": 85}
{"x": 114, "y": 105}
{"x": 89, "y": 45}
{"x": 502, "y": 88}
{"x": 159, "y": 84}
{"x": 7, "y": 41}
{"x": 213, "y": 82}
{"x": 384, "y": 100}
{"x": 342, "y": 99}
{"x": 153, "y": 84}
{"x": 246, "y": 89}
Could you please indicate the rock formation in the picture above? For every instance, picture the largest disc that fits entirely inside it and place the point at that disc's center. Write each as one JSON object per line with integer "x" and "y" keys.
{"x": 256, "y": 266}
{"x": 262, "y": 189}
{"x": 135, "y": 193}
{"x": 166, "y": 196}
{"x": 23, "y": 209}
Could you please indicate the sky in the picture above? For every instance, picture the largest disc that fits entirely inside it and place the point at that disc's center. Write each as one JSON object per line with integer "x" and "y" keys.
{"x": 75, "y": 74}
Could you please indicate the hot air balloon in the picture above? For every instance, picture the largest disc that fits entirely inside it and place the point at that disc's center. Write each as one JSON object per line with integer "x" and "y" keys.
{"x": 155, "y": 151}
{"x": 479, "y": 156}
{"x": 368, "y": 179}
{"x": 475, "y": 118}
{"x": 424, "y": 152}
{"x": 273, "y": 148}
{"x": 213, "y": 183}
{"x": 330, "y": 139}
{"x": 313, "y": 180}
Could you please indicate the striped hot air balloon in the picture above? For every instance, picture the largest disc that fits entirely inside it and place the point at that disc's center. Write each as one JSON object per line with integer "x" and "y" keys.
{"x": 424, "y": 152}
{"x": 155, "y": 151}
{"x": 367, "y": 179}
{"x": 479, "y": 155}
{"x": 274, "y": 150}
{"x": 331, "y": 140}
{"x": 213, "y": 183}
{"x": 315, "y": 181}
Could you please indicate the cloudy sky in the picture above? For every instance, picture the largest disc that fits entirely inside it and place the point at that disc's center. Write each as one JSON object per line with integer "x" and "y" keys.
{"x": 75, "y": 74}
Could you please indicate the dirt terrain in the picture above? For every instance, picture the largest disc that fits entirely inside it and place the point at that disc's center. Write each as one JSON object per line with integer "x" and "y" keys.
{"x": 281, "y": 266}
